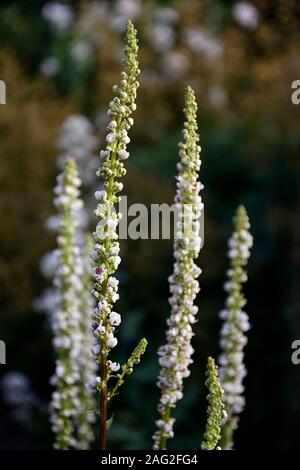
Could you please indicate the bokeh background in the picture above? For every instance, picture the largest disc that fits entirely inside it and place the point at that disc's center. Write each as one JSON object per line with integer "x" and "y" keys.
{"x": 59, "y": 62}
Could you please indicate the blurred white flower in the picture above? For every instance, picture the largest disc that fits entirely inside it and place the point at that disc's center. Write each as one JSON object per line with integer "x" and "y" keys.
{"x": 246, "y": 15}
{"x": 235, "y": 325}
{"x": 73, "y": 130}
{"x": 129, "y": 9}
{"x": 123, "y": 11}
{"x": 118, "y": 23}
{"x": 89, "y": 23}
{"x": 77, "y": 139}
{"x": 175, "y": 64}
{"x": 217, "y": 96}
{"x": 81, "y": 50}
{"x": 52, "y": 223}
{"x": 166, "y": 15}
{"x": 162, "y": 36}
{"x": 15, "y": 387}
{"x": 17, "y": 394}
{"x": 49, "y": 262}
{"x": 203, "y": 43}
{"x": 47, "y": 301}
{"x": 175, "y": 356}
{"x": 50, "y": 66}
{"x": 59, "y": 15}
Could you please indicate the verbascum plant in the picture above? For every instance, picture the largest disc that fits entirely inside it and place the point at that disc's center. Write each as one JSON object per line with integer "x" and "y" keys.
{"x": 66, "y": 318}
{"x": 87, "y": 403}
{"x": 51, "y": 301}
{"x": 175, "y": 355}
{"x": 105, "y": 255}
{"x": 235, "y": 325}
{"x": 216, "y": 408}
{"x": 77, "y": 138}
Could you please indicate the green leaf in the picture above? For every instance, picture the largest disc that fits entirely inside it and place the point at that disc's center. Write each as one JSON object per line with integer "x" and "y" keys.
{"x": 109, "y": 422}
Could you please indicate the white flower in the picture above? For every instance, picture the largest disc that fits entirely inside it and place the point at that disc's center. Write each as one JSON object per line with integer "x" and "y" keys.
{"x": 61, "y": 16}
{"x": 15, "y": 387}
{"x": 246, "y": 15}
{"x": 112, "y": 223}
{"x": 175, "y": 354}
{"x": 94, "y": 255}
{"x": 77, "y": 139}
{"x": 96, "y": 350}
{"x": 81, "y": 50}
{"x": 101, "y": 195}
{"x": 166, "y": 15}
{"x": 202, "y": 42}
{"x": 235, "y": 324}
{"x": 123, "y": 154}
{"x": 104, "y": 153}
{"x": 111, "y": 341}
{"x": 114, "y": 366}
{"x": 60, "y": 370}
{"x": 50, "y": 66}
{"x": 162, "y": 36}
{"x": 113, "y": 282}
{"x": 92, "y": 383}
{"x": 66, "y": 311}
{"x": 105, "y": 288}
{"x": 111, "y": 137}
{"x": 114, "y": 319}
{"x": 175, "y": 64}
{"x": 128, "y": 8}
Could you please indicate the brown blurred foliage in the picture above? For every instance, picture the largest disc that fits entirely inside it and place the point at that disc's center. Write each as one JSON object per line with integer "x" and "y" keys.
{"x": 28, "y": 128}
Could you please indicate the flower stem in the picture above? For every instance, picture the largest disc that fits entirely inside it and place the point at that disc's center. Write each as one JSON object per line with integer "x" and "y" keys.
{"x": 166, "y": 418}
{"x": 105, "y": 255}
{"x": 103, "y": 403}
{"x": 103, "y": 390}
{"x": 175, "y": 355}
{"x": 127, "y": 368}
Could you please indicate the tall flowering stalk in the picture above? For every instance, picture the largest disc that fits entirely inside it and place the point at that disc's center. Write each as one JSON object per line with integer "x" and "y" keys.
{"x": 105, "y": 255}
{"x": 175, "y": 355}
{"x": 235, "y": 325}
{"x": 77, "y": 138}
{"x": 87, "y": 403}
{"x": 71, "y": 318}
{"x": 66, "y": 318}
{"x": 216, "y": 408}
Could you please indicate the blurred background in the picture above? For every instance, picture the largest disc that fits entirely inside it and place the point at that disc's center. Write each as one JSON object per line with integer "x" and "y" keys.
{"x": 59, "y": 62}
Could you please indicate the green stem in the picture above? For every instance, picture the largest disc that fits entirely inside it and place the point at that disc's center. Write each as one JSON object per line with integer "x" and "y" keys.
{"x": 103, "y": 403}
{"x": 118, "y": 384}
{"x": 103, "y": 360}
{"x": 166, "y": 417}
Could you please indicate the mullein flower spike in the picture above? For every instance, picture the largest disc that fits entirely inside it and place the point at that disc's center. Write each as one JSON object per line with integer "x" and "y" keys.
{"x": 86, "y": 413}
{"x": 53, "y": 302}
{"x": 77, "y": 138}
{"x": 235, "y": 325}
{"x": 216, "y": 409}
{"x": 175, "y": 355}
{"x": 65, "y": 321}
{"x": 105, "y": 256}
{"x": 127, "y": 368}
